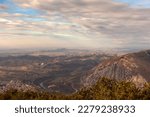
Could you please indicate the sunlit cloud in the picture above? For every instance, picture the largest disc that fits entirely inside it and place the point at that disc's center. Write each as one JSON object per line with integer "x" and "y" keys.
{"x": 76, "y": 23}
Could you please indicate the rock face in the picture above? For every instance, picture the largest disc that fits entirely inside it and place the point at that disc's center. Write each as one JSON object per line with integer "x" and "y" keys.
{"x": 132, "y": 67}
{"x": 16, "y": 85}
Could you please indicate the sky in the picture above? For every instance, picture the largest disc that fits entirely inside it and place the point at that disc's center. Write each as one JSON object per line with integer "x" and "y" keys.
{"x": 92, "y": 24}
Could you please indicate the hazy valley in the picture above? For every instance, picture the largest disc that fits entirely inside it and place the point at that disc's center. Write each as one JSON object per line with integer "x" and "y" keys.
{"x": 58, "y": 70}
{"x": 69, "y": 71}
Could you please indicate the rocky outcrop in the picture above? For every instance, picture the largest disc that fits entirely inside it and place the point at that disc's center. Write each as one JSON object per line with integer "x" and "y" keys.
{"x": 16, "y": 85}
{"x": 131, "y": 67}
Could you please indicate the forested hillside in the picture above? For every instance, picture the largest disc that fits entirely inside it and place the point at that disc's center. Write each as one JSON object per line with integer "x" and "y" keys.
{"x": 104, "y": 89}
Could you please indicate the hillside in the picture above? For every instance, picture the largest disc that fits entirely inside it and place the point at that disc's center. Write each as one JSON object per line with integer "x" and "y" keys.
{"x": 133, "y": 67}
{"x": 104, "y": 89}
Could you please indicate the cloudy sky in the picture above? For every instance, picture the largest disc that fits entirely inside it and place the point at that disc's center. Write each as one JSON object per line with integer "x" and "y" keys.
{"x": 75, "y": 24}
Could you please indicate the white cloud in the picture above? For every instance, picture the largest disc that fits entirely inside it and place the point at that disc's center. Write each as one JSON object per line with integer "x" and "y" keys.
{"x": 104, "y": 23}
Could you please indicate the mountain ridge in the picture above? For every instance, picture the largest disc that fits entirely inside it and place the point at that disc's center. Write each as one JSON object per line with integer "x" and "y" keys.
{"x": 131, "y": 67}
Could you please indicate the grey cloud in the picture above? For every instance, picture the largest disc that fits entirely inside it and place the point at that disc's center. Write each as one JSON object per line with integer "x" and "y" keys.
{"x": 114, "y": 20}
{"x": 3, "y": 7}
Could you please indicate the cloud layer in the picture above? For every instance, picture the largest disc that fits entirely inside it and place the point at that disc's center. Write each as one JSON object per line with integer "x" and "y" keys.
{"x": 75, "y": 23}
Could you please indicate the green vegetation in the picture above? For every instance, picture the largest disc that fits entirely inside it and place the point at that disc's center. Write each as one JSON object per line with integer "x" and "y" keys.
{"x": 104, "y": 89}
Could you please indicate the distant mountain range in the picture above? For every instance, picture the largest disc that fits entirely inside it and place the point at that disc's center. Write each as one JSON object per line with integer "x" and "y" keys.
{"x": 67, "y": 71}
{"x": 133, "y": 67}
{"x": 49, "y": 70}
